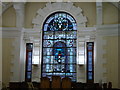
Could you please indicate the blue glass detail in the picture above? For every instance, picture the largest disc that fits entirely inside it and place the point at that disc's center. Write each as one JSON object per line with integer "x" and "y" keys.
{"x": 90, "y": 67}
{"x": 70, "y": 18}
{"x": 50, "y": 19}
{"x": 90, "y": 75}
{"x": 48, "y": 43}
{"x": 71, "y": 51}
{"x": 90, "y": 60}
{"x": 48, "y": 35}
{"x": 71, "y": 59}
{"x": 59, "y": 44}
{"x": 60, "y": 35}
{"x": 45, "y": 27}
{"x": 71, "y": 43}
{"x": 47, "y": 51}
{"x": 29, "y": 75}
{"x": 71, "y": 35}
{"x": 29, "y": 61}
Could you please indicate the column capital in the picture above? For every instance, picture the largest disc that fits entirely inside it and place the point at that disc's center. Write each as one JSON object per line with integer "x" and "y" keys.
{"x": 99, "y": 13}
{"x": 19, "y": 5}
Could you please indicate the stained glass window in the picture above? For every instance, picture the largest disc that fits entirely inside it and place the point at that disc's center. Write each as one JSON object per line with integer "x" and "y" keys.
{"x": 59, "y": 46}
{"x": 28, "y": 72}
{"x": 90, "y": 60}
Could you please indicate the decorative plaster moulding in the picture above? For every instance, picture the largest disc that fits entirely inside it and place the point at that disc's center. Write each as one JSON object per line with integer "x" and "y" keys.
{"x": 107, "y": 30}
{"x": 50, "y": 8}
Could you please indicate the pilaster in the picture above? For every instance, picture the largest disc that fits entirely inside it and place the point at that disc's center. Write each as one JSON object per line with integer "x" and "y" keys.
{"x": 99, "y": 13}
{"x": 19, "y": 8}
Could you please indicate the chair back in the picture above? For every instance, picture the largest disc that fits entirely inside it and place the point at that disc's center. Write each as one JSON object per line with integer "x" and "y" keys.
{"x": 66, "y": 82}
{"x": 45, "y": 82}
{"x": 56, "y": 82}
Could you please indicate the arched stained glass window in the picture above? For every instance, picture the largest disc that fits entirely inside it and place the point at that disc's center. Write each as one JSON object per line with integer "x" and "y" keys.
{"x": 59, "y": 46}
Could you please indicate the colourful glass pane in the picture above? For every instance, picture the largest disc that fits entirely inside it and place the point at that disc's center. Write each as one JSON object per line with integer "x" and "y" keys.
{"x": 71, "y": 43}
{"x": 60, "y": 35}
{"x": 29, "y": 75}
{"x": 74, "y": 26}
{"x": 71, "y": 51}
{"x": 90, "y": 61}
{"x": 29, "y": 61}
{"x": 71, "y": 68}
{"x": 60, "y": 22}
{"x": 47, "y": 51}
{"x": 71, "y": 35}
{"x": 48, "y": 35}
{"x": 90, "y": 46}
{"x": 90, "y": 75}
{"x": 70, "y": 18}
{"x": 48, "y": 43}
{"x": 50, "y": 19}
{"x": 60, "y": 40}
{"x": 46, "y": 59}
{"x": 28, "y": 72}
{"x": 71, "y": 59}
{"x": 46, "y": 27}
{"x": 59, "y": 46}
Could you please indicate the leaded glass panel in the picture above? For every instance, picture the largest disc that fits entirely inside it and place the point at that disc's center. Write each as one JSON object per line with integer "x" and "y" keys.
{"x": 71, "y": 35}
{"x": 28, "y": 71}
{"x": 71, "y": 51}
{"x": 71, "y": 43}
{"x": 47, "y": 51}
{"x": 48, "y": 35}
{"x": 59, "y": 46}
{"x": 90, "y": 60}
{"x": 47, "y": 43}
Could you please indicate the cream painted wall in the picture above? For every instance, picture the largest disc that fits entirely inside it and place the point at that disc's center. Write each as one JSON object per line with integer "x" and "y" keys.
{"x": 30, "y": 12}
{"x": 0, "y": 50}
{"x": 6, "y": 59}
{"x": 119, "y": 62}
{"x": 89, "y": 10}
{"x": 1, "y": 21}
{"x": 110, "y": 14}
{"x": 112, "y": 59}
{"x": 0, "y": 61}
{"x": 9, "y": 18}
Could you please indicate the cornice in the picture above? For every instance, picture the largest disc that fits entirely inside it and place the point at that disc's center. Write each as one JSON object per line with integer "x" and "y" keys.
{"x": 102, "y": 30}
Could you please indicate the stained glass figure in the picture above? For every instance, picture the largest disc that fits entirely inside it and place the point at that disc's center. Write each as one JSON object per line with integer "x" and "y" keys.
{"x": 59, "y": 46}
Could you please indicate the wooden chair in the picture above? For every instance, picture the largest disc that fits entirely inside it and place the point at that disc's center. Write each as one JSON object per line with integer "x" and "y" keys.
{"x": 56, "y": 82}
{"x": 12, "y": 86}
{"x": 104, "y": 86}
{"x": 110, "y": 86}
{"x": 66, "y": 83}
{"x": 45, "y": 82}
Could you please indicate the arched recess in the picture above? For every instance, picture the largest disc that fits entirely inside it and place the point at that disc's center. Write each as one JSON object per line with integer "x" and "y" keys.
{"x": 51, "y": 8}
